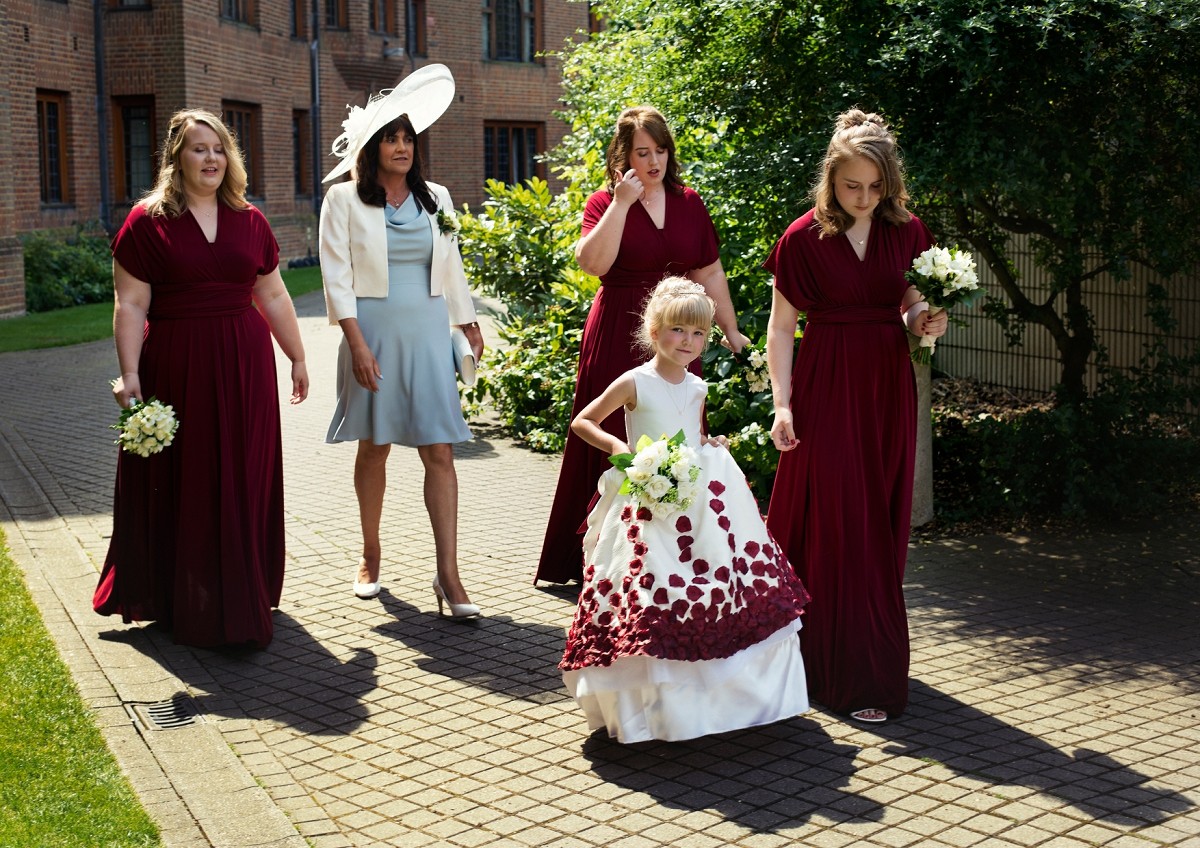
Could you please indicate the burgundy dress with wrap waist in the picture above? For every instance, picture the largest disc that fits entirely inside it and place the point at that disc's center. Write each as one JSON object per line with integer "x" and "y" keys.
{"x": 197, "y": 538}
{"x": 686, "y": 242}
{"x": 842, "y": 501}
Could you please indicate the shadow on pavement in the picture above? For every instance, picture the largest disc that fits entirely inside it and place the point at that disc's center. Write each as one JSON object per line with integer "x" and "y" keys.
{"x": 296, "y": 681}
{"x": 942, "y": 730}
{"x": 498, "y": 653}
{"x": 762, "y": 778}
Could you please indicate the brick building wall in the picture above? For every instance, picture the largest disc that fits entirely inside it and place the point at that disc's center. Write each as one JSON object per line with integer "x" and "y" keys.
{"x": 12, "y": 265}
{"x": 166, "y": 55}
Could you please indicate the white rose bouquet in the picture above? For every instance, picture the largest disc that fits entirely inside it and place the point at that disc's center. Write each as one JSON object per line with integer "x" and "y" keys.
{"x": 661, "y": 475}
{"x": 146, "y": 427}
{"x": 945, "y": 277}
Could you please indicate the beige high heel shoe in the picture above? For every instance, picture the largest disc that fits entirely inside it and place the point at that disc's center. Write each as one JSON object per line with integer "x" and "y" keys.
{"x": 456, "y": 610}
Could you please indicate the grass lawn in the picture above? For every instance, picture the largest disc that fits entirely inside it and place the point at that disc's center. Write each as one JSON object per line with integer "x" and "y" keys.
{"x": 94, "y": 320}
{"x": 59, "y": 785}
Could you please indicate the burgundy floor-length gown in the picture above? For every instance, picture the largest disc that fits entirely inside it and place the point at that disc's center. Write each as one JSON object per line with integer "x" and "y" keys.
{"x": 842, "y": 502}
{"x": 197, "y": 538}
{"x": 687, "y": 242}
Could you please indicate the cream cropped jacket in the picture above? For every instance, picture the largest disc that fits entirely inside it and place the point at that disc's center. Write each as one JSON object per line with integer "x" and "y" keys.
{"x": 354, "y": 256}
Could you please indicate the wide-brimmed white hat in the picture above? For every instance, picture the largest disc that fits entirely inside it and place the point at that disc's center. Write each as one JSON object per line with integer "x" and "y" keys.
{"x": 423, "y": 96}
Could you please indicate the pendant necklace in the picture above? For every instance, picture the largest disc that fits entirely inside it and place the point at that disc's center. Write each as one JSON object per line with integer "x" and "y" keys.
{"x": 680, "y": 405}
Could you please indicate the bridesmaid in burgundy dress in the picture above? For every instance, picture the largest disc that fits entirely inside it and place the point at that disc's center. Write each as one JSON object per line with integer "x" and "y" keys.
{"x": 197, "y": 538}
{"x": 845, "y": 417}
{"x": 644, "y": 226}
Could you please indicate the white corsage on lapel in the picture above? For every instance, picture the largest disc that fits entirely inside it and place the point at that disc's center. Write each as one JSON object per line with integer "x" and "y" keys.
{"x": 447, "y": 223}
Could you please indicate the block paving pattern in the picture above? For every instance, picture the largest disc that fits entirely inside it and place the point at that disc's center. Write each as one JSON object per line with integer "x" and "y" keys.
{"x": 1055, "y": 679}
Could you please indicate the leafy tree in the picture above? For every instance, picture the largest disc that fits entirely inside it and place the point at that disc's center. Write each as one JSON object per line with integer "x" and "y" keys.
{"x": 1061, "y": 124}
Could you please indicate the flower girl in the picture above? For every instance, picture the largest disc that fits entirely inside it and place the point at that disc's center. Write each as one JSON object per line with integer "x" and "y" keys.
{"x": 688, "y": 615}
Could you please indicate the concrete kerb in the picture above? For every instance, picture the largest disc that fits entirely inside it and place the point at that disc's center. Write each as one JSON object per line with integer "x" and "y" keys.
{"x": 192, "y": 784}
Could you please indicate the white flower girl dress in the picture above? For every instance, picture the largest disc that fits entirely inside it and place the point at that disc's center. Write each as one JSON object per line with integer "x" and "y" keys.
{"x": 687, "y": 622}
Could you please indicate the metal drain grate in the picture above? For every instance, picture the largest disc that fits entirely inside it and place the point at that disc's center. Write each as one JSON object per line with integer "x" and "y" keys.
{"x": 180, "y": 711}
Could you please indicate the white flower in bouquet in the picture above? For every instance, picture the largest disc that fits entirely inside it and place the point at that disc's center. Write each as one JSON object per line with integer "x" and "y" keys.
{"x": 146, "y": 427}
{"x": 661, "y": 510}
{"x": 688, "y": 490}
{"x": 685, "y": 458}
{"x": 661, "y": 475}
{"x": 658, "y": 486}
{"x": 945, "y": 277}
{"x": 641, "y": 476}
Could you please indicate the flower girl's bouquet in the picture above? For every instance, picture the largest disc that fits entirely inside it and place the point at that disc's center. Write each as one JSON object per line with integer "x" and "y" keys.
{"x": 661, "y": 475}
{"x": 146, "y": 427}
{"x": 946, "y": 278}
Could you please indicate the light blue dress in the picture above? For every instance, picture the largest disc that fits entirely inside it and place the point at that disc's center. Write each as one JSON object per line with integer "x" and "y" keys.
{"x": 409, "y": 334}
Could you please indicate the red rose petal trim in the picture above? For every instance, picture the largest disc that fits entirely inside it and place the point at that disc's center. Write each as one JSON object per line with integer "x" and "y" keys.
{"x": 716, "y": 487}
{"x": 683, "y": 524}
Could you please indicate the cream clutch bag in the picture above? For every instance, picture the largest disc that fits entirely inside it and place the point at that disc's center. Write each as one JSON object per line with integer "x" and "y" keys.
{"x": 464, "y": 359}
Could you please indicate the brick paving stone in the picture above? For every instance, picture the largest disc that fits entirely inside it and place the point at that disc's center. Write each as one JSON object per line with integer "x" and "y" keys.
{"x": 1042, "y": 710}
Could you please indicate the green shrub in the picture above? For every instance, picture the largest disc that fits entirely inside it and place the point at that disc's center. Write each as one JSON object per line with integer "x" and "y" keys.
{"x": 522, "y": 242}
{"x": 1130, "y": 449}
{"x": 66, "y": 271}
{"x": 530, "y": 380}
{"x": 739, "y": 406}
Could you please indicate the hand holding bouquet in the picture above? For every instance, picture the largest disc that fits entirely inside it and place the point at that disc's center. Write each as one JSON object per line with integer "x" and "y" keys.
{"x": 945, "y": 278}
{"x": 661, "y": 475}
{"x": 146, "y": 427}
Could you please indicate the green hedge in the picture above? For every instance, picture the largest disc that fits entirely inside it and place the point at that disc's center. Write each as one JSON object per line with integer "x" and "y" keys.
{"x": 66, "y": 270}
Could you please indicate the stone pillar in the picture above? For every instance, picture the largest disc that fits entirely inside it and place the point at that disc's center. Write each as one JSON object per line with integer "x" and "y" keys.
{"x": 922, "y": 506}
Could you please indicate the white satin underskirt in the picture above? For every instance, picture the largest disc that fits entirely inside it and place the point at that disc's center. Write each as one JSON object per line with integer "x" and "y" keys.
{"x": 642, "y": 698}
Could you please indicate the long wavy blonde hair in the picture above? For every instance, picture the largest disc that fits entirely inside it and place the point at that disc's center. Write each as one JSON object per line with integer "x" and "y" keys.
{"x": 167, "y": 197}
{"x": 864, "y": 135}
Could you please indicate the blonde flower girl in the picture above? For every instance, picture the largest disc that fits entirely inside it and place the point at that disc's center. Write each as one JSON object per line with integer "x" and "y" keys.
{"x": 688, "y": 614}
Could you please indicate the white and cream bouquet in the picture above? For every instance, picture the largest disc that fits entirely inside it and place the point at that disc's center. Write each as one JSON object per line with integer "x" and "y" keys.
{"x": 146, "y": 427}
{"x": 945, "y": 277}
{"x": 661, "y": 475}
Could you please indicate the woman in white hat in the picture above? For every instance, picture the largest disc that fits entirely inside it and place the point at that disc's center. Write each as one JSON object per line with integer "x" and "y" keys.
{"x": 394, "y": 282}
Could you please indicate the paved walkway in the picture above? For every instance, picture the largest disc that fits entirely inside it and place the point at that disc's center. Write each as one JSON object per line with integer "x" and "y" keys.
{"x": 1055, "y": 681}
